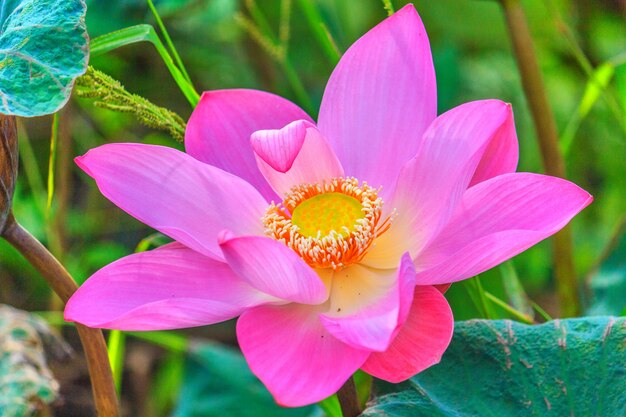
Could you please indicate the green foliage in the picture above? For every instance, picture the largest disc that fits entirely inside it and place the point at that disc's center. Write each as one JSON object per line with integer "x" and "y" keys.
{"x": 608, "y": 282}
{"x": 110, "y": 94}
{"x": 43, "y": 48}
{"x": 26, "y": 383}
{"x": 503, "y": 368}
{"x": 218, "y": 382}
{"x": 141, "y": 33}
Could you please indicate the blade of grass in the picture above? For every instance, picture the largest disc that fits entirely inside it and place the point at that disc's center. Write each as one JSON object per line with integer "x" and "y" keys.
{"x": 258, "y": 17}
{"x": 541, "y": 311}
{"x": 169, "y": 42}
{"x": 171, "y": 341}
{"x": 512, "y": 311}
{"x": 116, "y": 347}
{"x": 268, "y": 41}
{"x": 320, "y": 31}
{"x": 583, "y": 61}
{"x": 52, "y": 161}
{"x": 330, "y": 406}
{"x": 284, "y": 28}
{"x": 597, "y": 83}
{"x": 167, "y": 382}
{"x": 152, "y": 241}
{"x": 144, "y": 33}
{"x": 491, "y": 314}
{"x": 478, "y": 299}
{"x": 32, "y": 171}
{"x": 514, "y": 290}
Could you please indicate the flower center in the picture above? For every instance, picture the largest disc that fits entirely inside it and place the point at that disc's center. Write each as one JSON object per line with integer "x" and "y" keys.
{"x": 330, "y": 224}
{"x": 323, "y": 213}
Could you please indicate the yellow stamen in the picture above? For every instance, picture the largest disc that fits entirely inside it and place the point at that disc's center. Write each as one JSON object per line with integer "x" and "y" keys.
{"x": 330, "y": 225}
{"x": 326, "y": 212}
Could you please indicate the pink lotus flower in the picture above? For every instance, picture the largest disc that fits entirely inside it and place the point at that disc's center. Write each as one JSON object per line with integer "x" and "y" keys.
{"x": 327, "y": 240}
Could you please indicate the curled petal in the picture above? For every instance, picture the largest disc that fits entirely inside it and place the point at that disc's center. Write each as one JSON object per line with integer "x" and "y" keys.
{"x": 219, "y": 129}
{"x": 166, "y": 288}
{"x": 313, "y": 161}
{"x": 496, "y": 220}
{"x": 420, "y": 343}
{"x": 296, "y": 358}
{"x": 273, "y": 268}
{"x": 380, "y": 99}
{"x": 373, "y": 326}
{"x": 278, "y": 148}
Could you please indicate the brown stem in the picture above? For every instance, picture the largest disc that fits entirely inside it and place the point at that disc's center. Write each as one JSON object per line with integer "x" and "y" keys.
{"x": 554, "y": 164}
{"x": 63, "y": 284}
{"x": 348, "y": 399}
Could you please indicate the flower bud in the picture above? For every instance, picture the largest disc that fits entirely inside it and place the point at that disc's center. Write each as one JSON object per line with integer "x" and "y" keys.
{"x": 8, "y": 166}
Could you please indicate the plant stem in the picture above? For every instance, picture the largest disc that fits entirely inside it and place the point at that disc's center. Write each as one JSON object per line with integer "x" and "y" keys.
{"x": 63, "y": 284}
{"x": 509, "y": 309}
{"x": 169, "y": 42}
{"x": 316, "y": 24}
{"x": 348, "y": 399}
{"x": 545, "y": 127}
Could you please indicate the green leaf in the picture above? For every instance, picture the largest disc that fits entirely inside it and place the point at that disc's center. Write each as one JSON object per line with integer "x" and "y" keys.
{"x": 571, "y": 367}
{"x": 43, "y": 48}
{"x": 218, "y": 382}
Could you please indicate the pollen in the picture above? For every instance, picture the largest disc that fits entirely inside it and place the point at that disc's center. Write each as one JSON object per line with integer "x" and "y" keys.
{"x": 331, "y": 224}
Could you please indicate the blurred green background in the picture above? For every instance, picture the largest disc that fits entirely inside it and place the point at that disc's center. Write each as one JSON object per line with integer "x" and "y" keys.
{"x": 581, "y": 46}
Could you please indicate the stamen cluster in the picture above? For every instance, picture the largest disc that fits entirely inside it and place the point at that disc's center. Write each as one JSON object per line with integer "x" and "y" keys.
{"x": 339, "y": 248}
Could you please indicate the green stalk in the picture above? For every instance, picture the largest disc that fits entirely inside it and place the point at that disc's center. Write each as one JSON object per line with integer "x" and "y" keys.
{"x": 553, "y": 161}
{"x": 543, "y": 313}
{"x": 297, "y": 86}
{"x": 261, "y": 21}
{"x": 116, "y": 347}
{"x": 32, "y": 171}
{"x": 512, "y": 311}
{"x": 51, "y": 161}
{"x": 268, "y": 41}
{"x": 320, "y": 32}
{"x": 169, "y": 42}
{"x": 144, "y": 33}
{"x": 584, "y": 62}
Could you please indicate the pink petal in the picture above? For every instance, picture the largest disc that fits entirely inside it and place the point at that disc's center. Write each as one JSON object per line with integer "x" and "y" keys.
{"x": 172, "y": 192}
{"x": 279, "y": 148}
{"x": 502, "y": 153}
{"x": 374, "y": 326}
{"x": 421, "y": 342}
{"x": 380, "y": 99}
{"x": 219, "y": 129}
{"x": 167, "y": 288}
{"x": 431, "y": 185}
{"x": 294, "y": 355}
{"x": 496, "y": 220}
{"x": 271, "y": 267}
{"x": 315, "y": 161}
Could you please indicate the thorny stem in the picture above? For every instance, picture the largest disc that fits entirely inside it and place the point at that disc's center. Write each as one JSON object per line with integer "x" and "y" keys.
{"x": 554, "y": 164}
{"x": 62, "y": 283}
{"x": 348, "y": 399}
